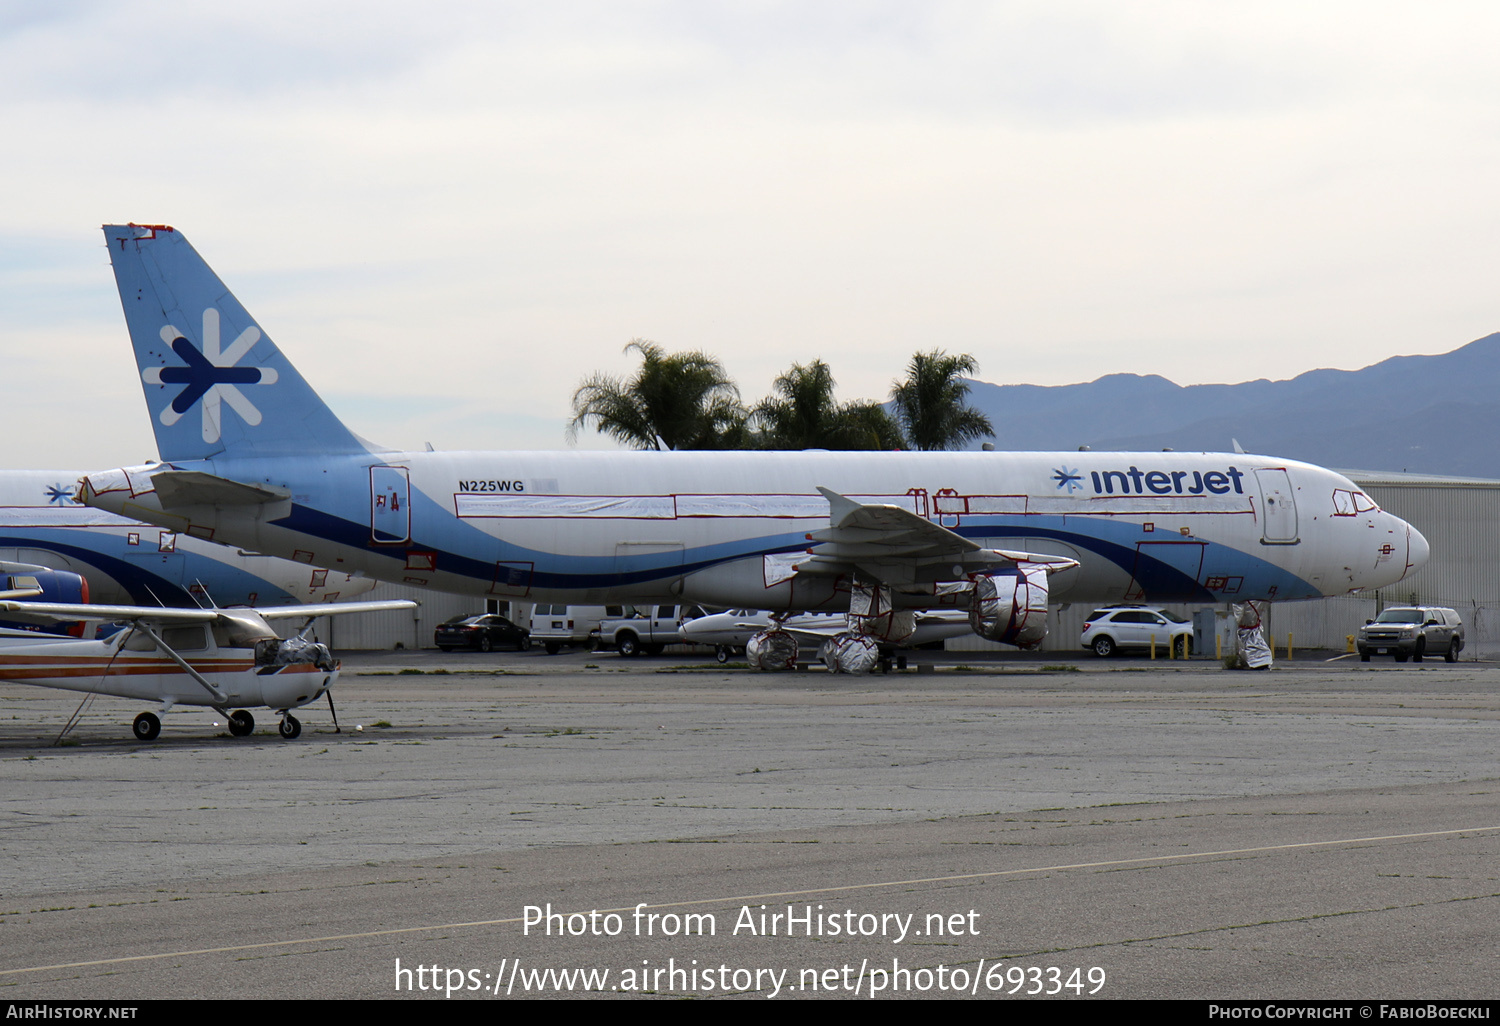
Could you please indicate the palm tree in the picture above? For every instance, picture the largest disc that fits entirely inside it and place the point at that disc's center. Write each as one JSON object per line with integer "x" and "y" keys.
{"x": 675, "y": 401}
{"x": 803, "y": 415}
{"x": 930, "y": 402}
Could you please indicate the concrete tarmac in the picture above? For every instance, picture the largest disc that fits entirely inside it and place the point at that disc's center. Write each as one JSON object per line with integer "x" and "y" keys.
{"x": 1325, "y": 830}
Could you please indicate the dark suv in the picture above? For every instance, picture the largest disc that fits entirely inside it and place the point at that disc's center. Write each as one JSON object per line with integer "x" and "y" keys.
{"x": 1411, "y": 632}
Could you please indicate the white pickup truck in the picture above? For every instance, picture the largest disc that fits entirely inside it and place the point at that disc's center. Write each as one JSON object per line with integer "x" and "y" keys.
{"x": 649, "y": 629}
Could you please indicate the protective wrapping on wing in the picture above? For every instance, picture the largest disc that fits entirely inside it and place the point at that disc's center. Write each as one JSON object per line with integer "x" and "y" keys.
{"x": 1249, "y": 639}
{"x": 1011, "y": 606}
{"x": 849, "y": 653}
{"x": 771, "y": 650}
{"x": 892, "y": 627}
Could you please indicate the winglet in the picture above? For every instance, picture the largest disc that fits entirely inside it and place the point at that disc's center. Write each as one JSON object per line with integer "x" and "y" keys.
{"x": 839, "y": 506}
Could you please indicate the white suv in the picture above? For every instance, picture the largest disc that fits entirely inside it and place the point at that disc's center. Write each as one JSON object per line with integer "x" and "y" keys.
{"x": 1113, "y": 628}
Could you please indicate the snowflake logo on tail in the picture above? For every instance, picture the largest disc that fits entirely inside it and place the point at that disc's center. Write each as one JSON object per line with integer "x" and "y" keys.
{"x": 210, "y": 376}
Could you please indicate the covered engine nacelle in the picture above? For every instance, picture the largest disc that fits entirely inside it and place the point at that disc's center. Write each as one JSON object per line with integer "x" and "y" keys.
{"x": 56, "y": 586}
{"x": 1011, "y": 606}
{"x": 772, "y": 649}
{"x": 849, "y": 653}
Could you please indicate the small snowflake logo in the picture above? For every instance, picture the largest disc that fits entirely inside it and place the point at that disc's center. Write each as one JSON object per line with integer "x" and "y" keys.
{"x": 1065, "y": 477}
{"x": 210, "y": 375}
{"x": 60, "y": 495}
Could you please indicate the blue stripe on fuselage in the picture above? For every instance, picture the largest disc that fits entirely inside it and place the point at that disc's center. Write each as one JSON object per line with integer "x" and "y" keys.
{"x": 1160, "y": 581}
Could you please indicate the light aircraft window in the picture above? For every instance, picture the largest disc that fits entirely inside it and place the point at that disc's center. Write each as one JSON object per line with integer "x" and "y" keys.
{"x": 185, "y": 639}
{"x": 179, "y": 639}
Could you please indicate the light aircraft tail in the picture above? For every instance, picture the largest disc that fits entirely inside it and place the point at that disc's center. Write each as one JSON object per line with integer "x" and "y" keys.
{"x": 215, "y": 383}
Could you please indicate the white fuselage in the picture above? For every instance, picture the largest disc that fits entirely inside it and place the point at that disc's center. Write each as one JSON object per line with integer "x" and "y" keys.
{"x": 724, "y": 528}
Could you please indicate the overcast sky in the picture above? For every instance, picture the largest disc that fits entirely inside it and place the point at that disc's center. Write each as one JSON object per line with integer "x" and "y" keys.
{"x": 446, "y": 214}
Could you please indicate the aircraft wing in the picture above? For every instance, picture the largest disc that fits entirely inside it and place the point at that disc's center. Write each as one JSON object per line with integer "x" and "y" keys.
{"x": 334, "y": 608}
{"x": 898, "y": 546}
{"x": 68, "y": 612}
{"x": 65, "y": 612}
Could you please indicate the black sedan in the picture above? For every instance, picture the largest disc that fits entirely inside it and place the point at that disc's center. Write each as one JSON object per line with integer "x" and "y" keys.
{"x": 481, "y": 632}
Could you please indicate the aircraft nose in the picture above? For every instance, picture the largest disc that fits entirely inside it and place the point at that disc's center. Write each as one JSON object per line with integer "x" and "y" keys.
{"x": 1417, "y": 550}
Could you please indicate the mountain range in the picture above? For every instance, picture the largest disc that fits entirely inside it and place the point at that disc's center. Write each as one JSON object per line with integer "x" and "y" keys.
{"x": 1421, "y": 414}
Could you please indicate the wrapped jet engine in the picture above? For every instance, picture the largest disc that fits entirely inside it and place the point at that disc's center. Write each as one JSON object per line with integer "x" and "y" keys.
{"x": 772, "y": 650}
{"x": 1011, "y": 606}
{"x": 849, "y": 653}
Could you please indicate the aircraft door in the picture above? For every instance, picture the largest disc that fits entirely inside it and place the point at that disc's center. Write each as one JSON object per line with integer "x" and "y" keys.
{"x": 1278, "y": 507}
{"x": 390, "y": 512}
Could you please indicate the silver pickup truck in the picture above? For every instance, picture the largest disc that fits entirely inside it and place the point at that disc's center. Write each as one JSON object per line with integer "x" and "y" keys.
{"x": 649, "y": 630}
{"x": 1411, "y": 632}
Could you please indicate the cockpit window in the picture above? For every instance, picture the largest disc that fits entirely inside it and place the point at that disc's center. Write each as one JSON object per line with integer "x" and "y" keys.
{"x": 1348, "y": 503}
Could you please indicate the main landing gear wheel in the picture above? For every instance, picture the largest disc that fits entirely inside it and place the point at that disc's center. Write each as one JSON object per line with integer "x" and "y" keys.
{"x": 721, "y": 653}
{"x": 241, "y": 723}
{"x": 290, "y": 728}
{"x": 146, "y": 727}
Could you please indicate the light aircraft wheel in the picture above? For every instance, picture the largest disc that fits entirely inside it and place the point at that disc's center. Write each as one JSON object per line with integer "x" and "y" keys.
{"x": 1104, "y": 647}
{"x": 485, "y": 644}
{"x": 722, "y": 653}
{"x": 290, "y": 728}
{"x": 1451, "y": 656}
{"x": 630, "y": 646}
{"x": 241, "y": 722}
{"x": 146, "y": 727}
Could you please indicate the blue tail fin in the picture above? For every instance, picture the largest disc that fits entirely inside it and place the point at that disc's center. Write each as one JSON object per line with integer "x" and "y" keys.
{"x": 215, "y": 383}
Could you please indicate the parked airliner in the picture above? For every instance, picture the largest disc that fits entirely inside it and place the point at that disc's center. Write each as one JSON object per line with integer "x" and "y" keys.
{"x": 124, "y": 561}
{"x": 252, "y": 456}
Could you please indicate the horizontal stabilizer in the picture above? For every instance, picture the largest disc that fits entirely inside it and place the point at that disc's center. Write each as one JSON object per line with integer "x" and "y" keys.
{"x": 178, "y": 488}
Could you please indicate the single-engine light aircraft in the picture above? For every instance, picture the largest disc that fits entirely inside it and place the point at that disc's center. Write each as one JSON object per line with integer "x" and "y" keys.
{"x": 229, "y": 659}
{"x": 252, "y": 456}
